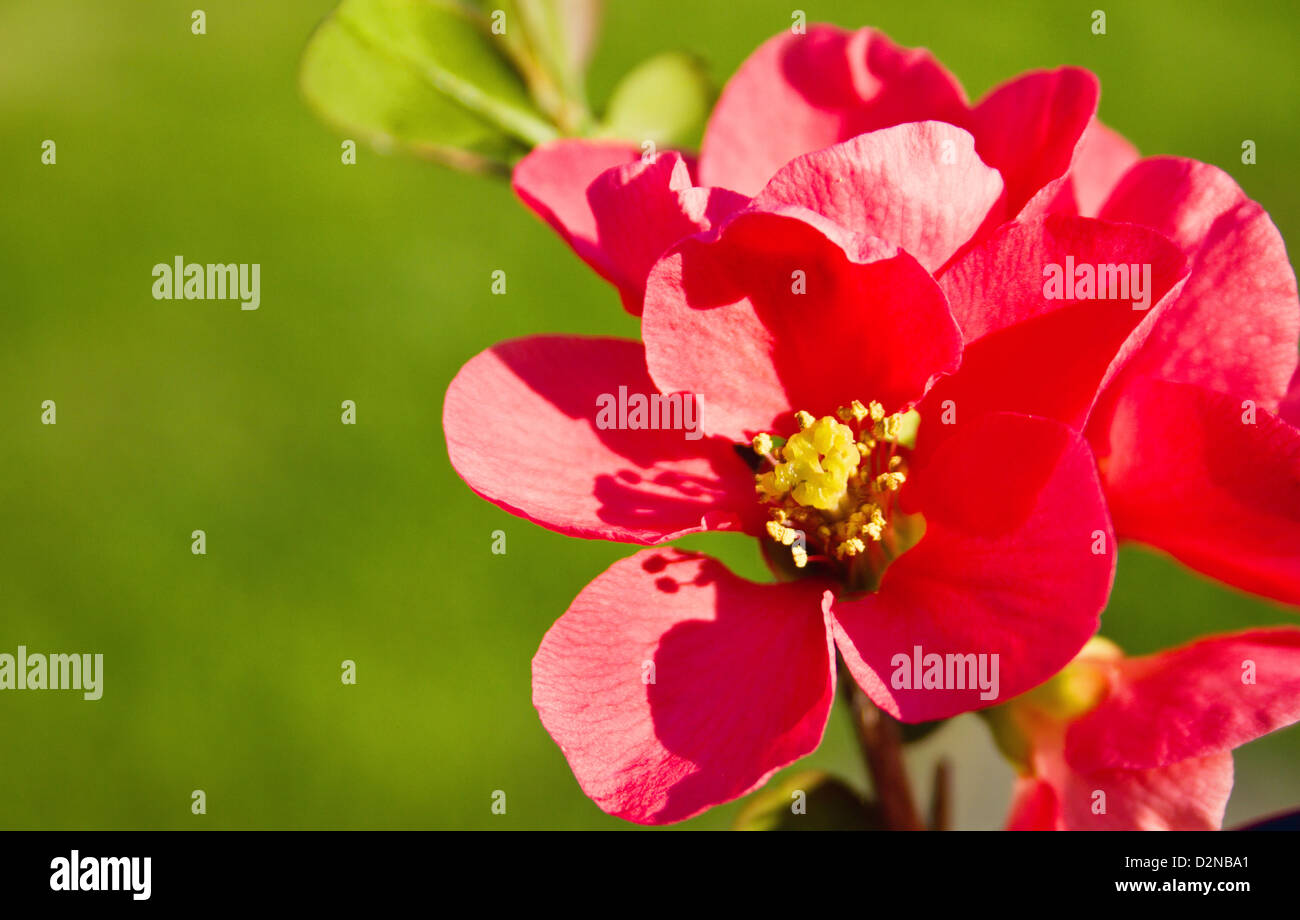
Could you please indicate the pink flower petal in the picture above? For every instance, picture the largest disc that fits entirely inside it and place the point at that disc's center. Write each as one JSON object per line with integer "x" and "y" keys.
{"x": 1174, "y": 196}
{"x": 520, "y": 420}
{"x": 1204, "y": 698}
{"x": 1236, "y": 325}
{"x": 1290, "y": 407}
{"x": 642, "y": 209}
{"x": 1028, "y": 130}
{"x": 1103, "y": 157}
{"x": 671, "y": 685}
{"x": 999, "y": 283}
{"x": 1184, "y": 472}
{"x": 723, "y": 318}
{"x": 918, "y": 185}
{"x": 1034, "y": 806}
{"x": 1190, "y": 795}
{"x": 1027, "y": 352}
{"x": 553, "y": 180}
{"x": 1013, "y": 510}
{"x": 1187, "y": 796}
{"x": 799, "y": 93}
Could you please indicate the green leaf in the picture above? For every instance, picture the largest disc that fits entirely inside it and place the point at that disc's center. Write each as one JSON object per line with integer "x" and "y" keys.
{"x": 808, "y": 801}
{"x": 564, "y": 33}
{"x": 550, "y": 43}
{"x": 579, "y": 26}
{"x": 424, "y": 74}
{"x": 665, "y": 99}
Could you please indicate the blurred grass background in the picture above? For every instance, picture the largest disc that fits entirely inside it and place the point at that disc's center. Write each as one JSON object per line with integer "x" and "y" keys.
{"x": 328, "y": 542}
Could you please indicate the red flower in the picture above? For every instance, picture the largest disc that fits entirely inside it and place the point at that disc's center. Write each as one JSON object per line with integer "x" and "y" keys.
{"x": 801, "y": 93}
{"x": 671, "y": 684}
{"x": 1183, "y": 403}
{"x": 1192, "y": 422}
{"x": 1116, "y": 743}
{"x": 851, "y": 253}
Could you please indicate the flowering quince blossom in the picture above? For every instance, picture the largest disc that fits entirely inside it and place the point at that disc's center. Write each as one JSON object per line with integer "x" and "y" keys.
{"x": 1037, "y": 139}
{"x": 743, "y": 674}
{"x": 807, "y": 322}
{"x": 1185, "y": 404}
{"x": 1115, "y": 743}
{"x": 849, "y": 283}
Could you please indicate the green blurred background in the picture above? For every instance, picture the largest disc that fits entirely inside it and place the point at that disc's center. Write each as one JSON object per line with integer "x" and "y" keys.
{"x": 329, "y": 542}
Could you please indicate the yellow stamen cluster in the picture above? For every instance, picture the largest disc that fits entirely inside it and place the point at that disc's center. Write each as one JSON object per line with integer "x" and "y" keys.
{"x": 817, "y": 464}
{"x": 830, "y": 485}
{"x": 787, "y": 536}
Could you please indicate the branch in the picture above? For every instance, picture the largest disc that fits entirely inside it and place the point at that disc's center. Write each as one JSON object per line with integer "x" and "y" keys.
{"x": 882, "y": 750}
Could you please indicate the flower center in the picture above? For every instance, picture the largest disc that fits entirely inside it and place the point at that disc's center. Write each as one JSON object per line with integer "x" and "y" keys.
{"x": 830, "y": 491}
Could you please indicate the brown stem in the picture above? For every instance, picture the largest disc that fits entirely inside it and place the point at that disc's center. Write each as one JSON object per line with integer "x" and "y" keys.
{"x": 941, "y": 801}
{"x": 882, "y": 750}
